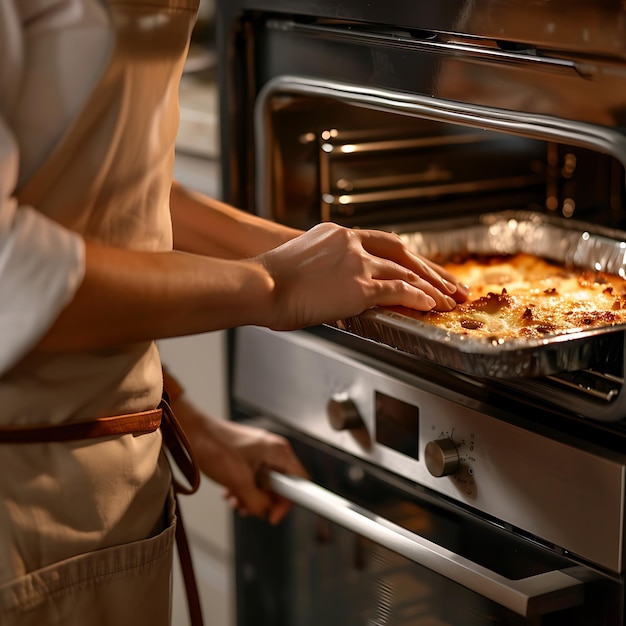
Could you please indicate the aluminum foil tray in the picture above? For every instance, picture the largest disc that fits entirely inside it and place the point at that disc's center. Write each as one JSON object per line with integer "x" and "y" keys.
{"x": 554, "y": 239}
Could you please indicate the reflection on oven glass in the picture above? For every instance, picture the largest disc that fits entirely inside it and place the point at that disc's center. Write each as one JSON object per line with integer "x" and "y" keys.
{"x": 352, "y": 580}
{"x": 339, "y": 577}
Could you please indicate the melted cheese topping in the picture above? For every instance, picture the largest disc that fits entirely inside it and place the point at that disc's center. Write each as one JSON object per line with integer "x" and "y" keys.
{"x": 526, "y": 296}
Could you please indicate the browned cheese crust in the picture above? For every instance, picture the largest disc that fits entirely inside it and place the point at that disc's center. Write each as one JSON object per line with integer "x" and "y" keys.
{"x": 525, "y": 296}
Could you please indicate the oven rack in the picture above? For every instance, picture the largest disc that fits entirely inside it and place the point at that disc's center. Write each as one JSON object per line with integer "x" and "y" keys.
{"x": 590, "y": 382}
{"x": 588, "y": 393}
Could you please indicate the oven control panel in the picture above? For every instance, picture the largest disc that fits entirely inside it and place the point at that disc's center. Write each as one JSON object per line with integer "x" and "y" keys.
{"x": 436, "y": 438}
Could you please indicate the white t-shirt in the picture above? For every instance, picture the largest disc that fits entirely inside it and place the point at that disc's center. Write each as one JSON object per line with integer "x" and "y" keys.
{"x": 52, "y": 53}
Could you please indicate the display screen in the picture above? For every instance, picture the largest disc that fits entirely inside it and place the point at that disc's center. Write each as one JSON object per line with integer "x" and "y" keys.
{"x": 397, "y": 425}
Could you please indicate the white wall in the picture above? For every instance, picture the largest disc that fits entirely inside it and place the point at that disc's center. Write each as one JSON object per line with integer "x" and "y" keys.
{"x": 199, "y": 364}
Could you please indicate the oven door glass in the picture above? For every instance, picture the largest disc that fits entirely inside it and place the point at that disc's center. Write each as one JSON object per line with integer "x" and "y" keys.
{"x": 365, "y": 567}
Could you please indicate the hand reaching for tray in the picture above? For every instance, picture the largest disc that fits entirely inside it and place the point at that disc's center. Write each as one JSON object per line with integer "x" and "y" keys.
{"x": 331, "y": 272}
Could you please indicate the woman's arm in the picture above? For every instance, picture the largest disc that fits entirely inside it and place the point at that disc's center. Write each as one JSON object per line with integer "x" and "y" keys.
{"x": 203, "y": 225}
{"x": 326, "y": 274}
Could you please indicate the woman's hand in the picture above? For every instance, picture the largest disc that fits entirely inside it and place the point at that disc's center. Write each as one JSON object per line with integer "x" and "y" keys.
{"x": 234, "y": 455}
{"x": 331, "y": 272}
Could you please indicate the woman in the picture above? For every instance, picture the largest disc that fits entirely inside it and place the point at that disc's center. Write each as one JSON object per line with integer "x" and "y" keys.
{"x": 88, "y": 282}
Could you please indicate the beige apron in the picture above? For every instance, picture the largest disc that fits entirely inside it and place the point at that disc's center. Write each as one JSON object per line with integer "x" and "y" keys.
{"x": 88, "y": 526}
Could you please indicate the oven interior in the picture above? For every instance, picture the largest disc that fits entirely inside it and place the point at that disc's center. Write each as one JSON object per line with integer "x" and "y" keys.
{"x": 363, "y": 167}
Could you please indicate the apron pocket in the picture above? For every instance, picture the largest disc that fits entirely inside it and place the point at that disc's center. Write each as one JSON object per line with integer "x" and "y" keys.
{"x": 126, "y": 585}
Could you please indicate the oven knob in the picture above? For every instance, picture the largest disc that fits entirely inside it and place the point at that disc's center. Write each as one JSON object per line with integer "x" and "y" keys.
{"x": 343, "y": 414}
{"x": 441, "y": 457}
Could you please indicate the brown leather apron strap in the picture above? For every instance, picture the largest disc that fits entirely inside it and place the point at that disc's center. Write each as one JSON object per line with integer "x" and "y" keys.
{"x": 178, "y": 447}
{"x": 174, "y": 440}
{"x": 135, "y": 423}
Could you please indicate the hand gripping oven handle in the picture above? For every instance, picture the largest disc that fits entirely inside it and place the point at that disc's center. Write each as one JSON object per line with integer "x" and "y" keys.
{"x": 532, "y": 596}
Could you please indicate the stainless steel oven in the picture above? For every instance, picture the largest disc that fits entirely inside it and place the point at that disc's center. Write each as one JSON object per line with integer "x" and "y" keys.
{"x": 509, "y": 525}
{"x": 452, "y": 483}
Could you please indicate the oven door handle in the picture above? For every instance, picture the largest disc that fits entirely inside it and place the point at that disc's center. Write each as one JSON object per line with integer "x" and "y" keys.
{"x": 536, "y": 595}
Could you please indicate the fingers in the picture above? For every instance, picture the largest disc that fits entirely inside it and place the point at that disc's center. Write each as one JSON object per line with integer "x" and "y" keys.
{"x": 398, "y": 285}
{"x": 415, "y": 294}
{"x": 274, "y": 508}
{"x": 425, "y": 275}
{"x": 249, "y": 498}
{"x": 390, "y": 246}
{"x": 249, "y": 492}
{"x": 462, "y": 291}
{"x": 286, "y": 462}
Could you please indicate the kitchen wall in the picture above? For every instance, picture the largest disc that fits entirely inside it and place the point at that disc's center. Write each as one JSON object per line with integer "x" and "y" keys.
{"x": 198, "y": 362}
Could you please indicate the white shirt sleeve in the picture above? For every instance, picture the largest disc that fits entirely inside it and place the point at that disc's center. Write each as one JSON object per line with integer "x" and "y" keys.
{"x": 41, "y": 265}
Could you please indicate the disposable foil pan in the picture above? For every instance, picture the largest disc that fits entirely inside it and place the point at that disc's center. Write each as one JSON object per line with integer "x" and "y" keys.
{"x": 570, "y": 242}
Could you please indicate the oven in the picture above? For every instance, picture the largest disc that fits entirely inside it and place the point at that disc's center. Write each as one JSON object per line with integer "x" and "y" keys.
{"x": 451, "y": 483}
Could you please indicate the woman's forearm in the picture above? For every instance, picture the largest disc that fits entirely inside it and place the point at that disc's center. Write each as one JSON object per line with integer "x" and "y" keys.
{"x": 130, "y": 296}
{"x": 203, "y": 225}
